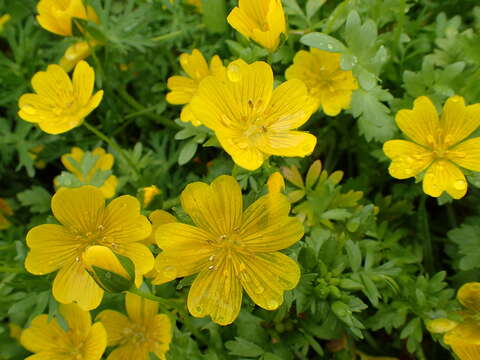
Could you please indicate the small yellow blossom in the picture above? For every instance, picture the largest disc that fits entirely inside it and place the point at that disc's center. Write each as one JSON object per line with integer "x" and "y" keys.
{"x": 251, "y": 119}
{"x": 75, "y": 53}
{"x": 149, "y": 192}
{"x": 5, "y": 210}
{"x": 144, "y": 331}
{"x": 183, "y": 88}
{"x": 33, "y": 154}
{"x": 104, "y": 162}
{"x": 84, "y": 222}
{"x": 262, "y": 21}
{"x": 3, "y": 20}
{"x": 48, "y": 340}
{"x": 439, "y": 146}
{"x": 56, "y": 15}
{"x": 275, "y": 183}
{"x": 60, "y": 104}
{"x": 230, "y": 249}
{"x": 330, "y": 86}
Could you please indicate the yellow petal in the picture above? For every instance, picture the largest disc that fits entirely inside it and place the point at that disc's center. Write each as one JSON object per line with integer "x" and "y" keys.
{"x": 53, "y": 83}
{"x": 466, "y": 154}
{"x": 266, "y": 226}
{"x": 241, "y": 22}
{"x": 115, "y": 325}
{"x": 161, "y": 327}
{"x": 216, "y": 292}
{"x": 79, "y": 209}
{"x": 51, "y": 247}
{"x": 83, "y": 80}
{"x": 43, "y": 335}
{"x": 216, "y": 208}
{"x": 95, "y": 343}
{"x": 469, "y": 296}
{"x": 444, "y": 176}
{"x": 420, "y": 123}
{"x": 275, "y": 183}
{"x": 109, "y": 187}
{"x": 242, "y": 151}
{"x": 157, "y": 218}
{"x": 140, "y": 254}
{"x": 127, "y": 352}
{"x": 459, "y": 121}
{"x": 78, "y": 320}
{"x": 76, "y": 154}
{"x": 104, "y": 258}
{"x": 61, "y": 124}
{"x": 408, "y": 159}
{"x": 73, "y": 284}
{"x": 140, "y": 310}
{"x": 182, "y": 88}
{"x": 265, "y": 277}
{"x": 287, "y": 143}
{"x": 465, "y": 340}
{"x": 194, "y": 65}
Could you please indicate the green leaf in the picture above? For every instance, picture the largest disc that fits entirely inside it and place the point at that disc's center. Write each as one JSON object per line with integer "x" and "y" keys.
{"x": 354, "y": 255}
{"x": 215, "y": 15}
{"x": 37, "y": 198}
{"x": 467, "y": 237}
{"x": 187, "y": 152}
{"x": 322, "y": 42}
{"x": 312, "y": 7}
{"x": 242, "y": 347}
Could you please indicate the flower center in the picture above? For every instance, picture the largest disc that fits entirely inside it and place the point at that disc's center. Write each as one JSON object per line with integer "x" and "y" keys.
{"x": 91, "y": 237}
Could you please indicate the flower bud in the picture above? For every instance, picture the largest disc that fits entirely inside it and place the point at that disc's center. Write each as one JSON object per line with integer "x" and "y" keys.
{"x": 440, "y": 326}
{"x": 112, "y": 272}
{"x": 275, "y": 183}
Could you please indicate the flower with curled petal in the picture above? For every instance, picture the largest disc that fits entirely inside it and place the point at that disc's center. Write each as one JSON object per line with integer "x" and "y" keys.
{"x": 442, "y": 146}
{"x": 230, "y": 249}
{"x": 85, "y": 221}
{"x": 60, "y": 103}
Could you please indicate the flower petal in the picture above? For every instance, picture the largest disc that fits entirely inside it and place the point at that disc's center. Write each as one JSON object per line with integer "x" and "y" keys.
{"x": 95, "y": 343}
{"x": 468, "y": 296}
{"x": 129, "y": 351}
{"x": 408, "y": 159}
{"x": 79, "y": 209}
{"x": 241, "y": 22}
{"x": 78, "y": 320}
{"x": 216, "y": 208}
{"x": 52, "y": 246}
{"x": 266, "y": 276}
{"x": 194, "y": 64}
{"x": 115, "y": 325}
{"x": 53, "y": 83}
{"x": 242, "y": 151}
{"x": 83, "y": 80}
{"x": 465, "y": 340}
{"x": 216, "y": 292}
{"x": 467, "y": 154}
{"x": 43, "y": 335}
{"x": 73, "y": 284}
{"x": 266, "y": 226}
{"x": 161, "y": 327}
{"x": 443, "y": 176}
{"x": 182, "y": 88}
{"x": 420, "y": 123}
{"x": 140, "y": 310}
{"x": 459, "y": 121}
{"x": 139, "y": 253}
{"x": 287, "y": 143}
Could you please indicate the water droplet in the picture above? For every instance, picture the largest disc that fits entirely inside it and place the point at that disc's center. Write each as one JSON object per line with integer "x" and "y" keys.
{"x": 100, "y": 227}
{"x": 460, "y": 185}
{"x": 212, "y": 267}
{"x": 329, "y": 46}
{"x": 211, "y": 258}
{"x": 234, "y": 73}
{"x": 259, "y": 289}
{"x": 77, "y": 259}
{"x": 199, "y": 309}
{"x": 170, "y": 272}
{"x": 272, "y": 304}
{"x": 29, "y": 109}
{"x": 78, "y": 237}
{"x": 108, "y": 275}
{"x": 223, "y": 237}
{"x": 123, "y": 206}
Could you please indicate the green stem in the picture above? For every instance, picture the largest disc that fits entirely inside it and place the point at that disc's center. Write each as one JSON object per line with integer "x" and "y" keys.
{"x": 169, "y": 304}
{"x": 235, "y": 169}
{"x": 11, "y": 269}
{"x": 114, "y": 146}
{"x": 427, "y": 239}
{"x": 452, "y": 219}
{"x": 173, "y": 34}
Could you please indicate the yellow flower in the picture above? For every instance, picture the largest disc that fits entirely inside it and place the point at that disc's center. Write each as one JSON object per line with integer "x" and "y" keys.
{"x": 183, "y": 88}
{"x": 230, "y": 249}
{"x": 75, "y": 53}
{"x": 250, "y": 119}
{"x": 85, "y": 221}
{"x": 149, "y": 192}
{"x": 56, "y": 15}
{"x": 3, "y": 20}
{"x": 59, "y": 104}
{"x": 104, "y": 162}
{"x": 157, "y": 218}
{"x": 196, "y": 3}
{"x": 144, "y": 331}
{"x": 262, "y": 21}
{"x": 439, "y": 146}
{"x": 48, "y": 340}
{"x": 330, "y": 86}
{"x": 15, "y": 331}
{"x": 275, "y": 183}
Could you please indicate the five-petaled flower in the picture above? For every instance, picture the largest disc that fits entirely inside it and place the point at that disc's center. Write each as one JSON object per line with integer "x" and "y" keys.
{"x": 251, "y": 119}
{"x": 442, "y": 146}
{"x": 48, "y": 340}
{"x": 230, "y": 249}
{"x": 183, "y": 88}
{"x": 85, "y": 221}
{"x": 56, "y": 16}
{"x": 263, "y": 21}
{"x": 328, "y": 84}
{"x": 144, "y": 331}
{"x": 60, "y": 104}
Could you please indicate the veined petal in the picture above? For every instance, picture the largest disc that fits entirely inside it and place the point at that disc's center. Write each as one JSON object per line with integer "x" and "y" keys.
{"x": 459, "y": 121}
{"x": 140, "y": 255}
{"x": 140, "y": 310}
{"x": 76, "y": 154}
{"x": 83, "y": 80}
{"x": 241, "y": 22}
{"x": 115, "y": 325}
{"x": 194, "y": 64}
{"x": 420, "y": 123}
{"x": 128, "y": 352}
{"x": 183, "y": 89}
{"x": 123, "y": 222}
{"x": 302, "y": 64}
{"x": 55, "y": 126}
{"x": 109, "y": 187}
{"x": 468, "y": 295}
{"x": 465, "y": 340}
{"x": 73, "y": 284}
{"x": 53, "y": 83}
{"x": 79, "y": 209}
{"x": 408, "y": 159}
{"x": 161, "y": 326}
{"x": 43, "y": 335}
{"x": 216, "y": 208}
{"x": 287, "y": 143}
{"x": 95, "y": 343}
{"x": 78, "y": 320}
{"x": 443, "y": 176}
{"x": 266, "y": 226}
{"x": 242, "y": 151}
{"x": 52, "y": 246}
{"x": 216, "y": 292}
{"x": 466, "y": 154}
{"x": 48, "y": 355}
{"x": 265, "y": 277}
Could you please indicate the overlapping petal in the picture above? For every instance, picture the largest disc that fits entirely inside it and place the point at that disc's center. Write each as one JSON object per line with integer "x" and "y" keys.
{"x": 459, "y": 121}
{"x": 467, "y": 154}
{"x": 442, "y": 176}
{"x": 408, "y": 159}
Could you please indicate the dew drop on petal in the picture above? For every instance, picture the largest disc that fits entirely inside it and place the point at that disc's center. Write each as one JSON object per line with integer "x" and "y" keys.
{"x": 211, "y": 258}
{"x": 272, "y": 304}
{"x": 199, "y": 309}
{"x": 258, "y": 289}
{"x": 460, "y": 185}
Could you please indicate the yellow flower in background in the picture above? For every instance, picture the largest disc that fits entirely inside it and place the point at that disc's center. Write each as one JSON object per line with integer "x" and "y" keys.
{"x": 183, "y": 88}
{"x": 275, "y": 183}
{"x": 262, "y": 21}
{"x": 56, "y": 15}
{"x": 3, "y": 20}
{"x": 157, "y": 218}
{"x": 251, "y": 119}
{"x": 85, "y": 222}
{"x": 5, "y": 210}
{"x": 439, "y": 146}
{"x": 144, "y": 331}
{"x": 60, "y": 104}
{"x": 149, "y": 192}
{"x": 15, "y": 331}
{"x": 75, "y": 53}
{"x": 196, "y": 3}
{"x": 48, "y": 340}
{"x": 104, "y": 162}
{"x": 230, "y": 249}
{"x": 327, "y": 83}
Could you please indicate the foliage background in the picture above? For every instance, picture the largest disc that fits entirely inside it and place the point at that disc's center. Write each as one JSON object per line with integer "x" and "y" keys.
{"x": 378, "y": 258}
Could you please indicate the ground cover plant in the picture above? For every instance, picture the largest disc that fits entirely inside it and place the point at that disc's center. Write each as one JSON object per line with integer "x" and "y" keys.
{"x": 252, "y": 179}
